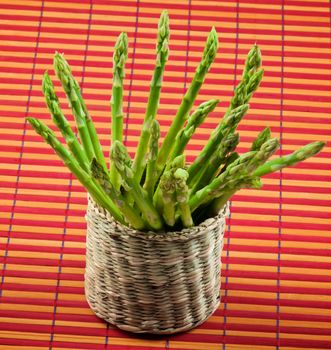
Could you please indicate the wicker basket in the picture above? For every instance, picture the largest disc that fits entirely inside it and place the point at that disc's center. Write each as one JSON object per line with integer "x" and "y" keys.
{"x": 152, "y": 283}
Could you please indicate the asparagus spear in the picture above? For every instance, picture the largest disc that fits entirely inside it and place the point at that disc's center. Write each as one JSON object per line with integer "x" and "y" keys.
{"x": 262, "y": 137}
{"x": 165, "y": 198}
{"x": 231, "y": 177}
{"x": 182, "y": 196}
{"x": 229, "y": 159}
{"x": 196, "y": 119}
{"x": 210, "y": 170}
{"x": 167, "y": 190}
{"x": 85, "y": 126}
{"x": 62, "y": 123}
{"x": 85, "y": 179}
{"x": 119, "y": 58}
{"x": 122, "y": 161}
{"x": 131, "y": 215}
{"x": 162, "y": 53}
{"x": 299, "y": 155}
{"x": 239, "y": 172}
{"x": 253, "y": 63}
{"x": 208, "y": 57}
{"x": 274, "y": 165}
{"x": 250, "y": 81}
{"x": 228, "y": 123}
{"x": 152, "y": 157}
{"x": 266, "y": 150}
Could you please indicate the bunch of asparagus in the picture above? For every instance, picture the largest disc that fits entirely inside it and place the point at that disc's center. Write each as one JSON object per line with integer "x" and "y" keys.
{"x": 157, "y": 190}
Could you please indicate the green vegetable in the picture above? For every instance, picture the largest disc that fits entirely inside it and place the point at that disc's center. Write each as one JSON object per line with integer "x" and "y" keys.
{"x": 208, "y": 57}
{"x": 162, "y": 53}
{"x": 158, "y": 190}
{"x": 61, "y": 122}
{"x": 122, "y": 161}
{"x": 195, "y": 120}
{"x": 182, "y": 196}
{"x": 85, "y": 179}
{"x": 85, "y": 126}
{"x": 131, "y": 215}
{"x": 119, "y": 58}
{"x": 299, "y": 155}
{"x": 151, "y": 173}
{"x": 223, "y": 129}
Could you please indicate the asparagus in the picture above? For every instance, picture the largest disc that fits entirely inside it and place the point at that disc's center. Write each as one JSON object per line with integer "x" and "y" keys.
{"x": 208, "y": 57}
{"x": 162, "y": 53}
{"x": 229, "y": 191}
{"x": 119, "y": 58}
{"x": 167, "y": 189}
{"x": 299, "y": 155}
{"x": 165, "y": 198}
{"x": 252, "y": 64}
{"x": 196, "y": 119}
{"x": 253, "y": 84}
{"x": 131, "y": 215}
{"x": 262, "y": 137}
{"x": 182, "y": 196}
{"x": 266, "y": 150}
{"x": 229, "y": 159}
{"x": 122, "y": 161}
{"x": 231, "y": 176}
{"x": 85, "y": 126}
{"x": 228, "y": 123}
{"x": 62, "y": 123}
{"x": 208, "y": 172}
{"x": 250, "y": 81}
{"x": 151, "y": 175}
{"x": 85, "y": 179}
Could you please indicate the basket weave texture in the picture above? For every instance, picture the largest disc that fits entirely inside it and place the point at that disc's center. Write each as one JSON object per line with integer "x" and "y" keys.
{"x": 147, "y": 282}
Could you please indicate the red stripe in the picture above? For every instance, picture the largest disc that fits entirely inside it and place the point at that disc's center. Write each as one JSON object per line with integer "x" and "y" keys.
{"x": 43, "y": 262}
{"x": 270, "y": 262}
{"x": 273, "y": 276}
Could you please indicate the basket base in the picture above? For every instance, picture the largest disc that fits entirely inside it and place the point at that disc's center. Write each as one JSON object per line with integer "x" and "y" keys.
{"x": 131, "y": 329}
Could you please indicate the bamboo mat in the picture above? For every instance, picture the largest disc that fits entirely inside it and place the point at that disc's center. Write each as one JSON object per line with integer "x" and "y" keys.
{"x": 276, "y": 276}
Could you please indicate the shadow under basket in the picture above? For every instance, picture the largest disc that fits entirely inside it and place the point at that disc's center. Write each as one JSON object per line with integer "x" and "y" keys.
{"x": 145, "y": 282}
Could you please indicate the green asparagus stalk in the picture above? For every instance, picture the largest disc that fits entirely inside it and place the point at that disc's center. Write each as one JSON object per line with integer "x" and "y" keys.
{"x": 229, "y": 159}
{"x": 167, "y": 190}
{"x": 182, "y": 197}
{"x": 165, "y": 197}
{"x": 210, "y": 170}
{"x": 251, "y": 79}
{"x": 162, "y": 53}
{"x": 229, "y": 191}
{"x": 252, "y": 64}
{"x": 228, "y": 123}
{"x": 230, "y": 178}
{"x": 119, "y": 58}
{"x": 85, "y": 126}
{"x": 261, "y": 138}
{"x": 62, "y": 123}
{"x": 195, "y": 120}
{"x": 85, "y": 179}
{"x": 151, "y": 173}
{"x": 266, "y": 150}
{"x": 208, "y": 57}
{"x": 299, "y": 155}
{"x": 131, "y": 215}
{"x": 122, "y": 161}
{"x": 253, "y": 84}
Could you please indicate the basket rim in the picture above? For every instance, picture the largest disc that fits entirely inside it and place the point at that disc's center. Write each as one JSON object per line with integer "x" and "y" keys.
{"x": 182, "y": 235}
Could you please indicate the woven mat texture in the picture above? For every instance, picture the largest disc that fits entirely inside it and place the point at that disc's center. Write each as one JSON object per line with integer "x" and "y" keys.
{"x": 276, "y": 275}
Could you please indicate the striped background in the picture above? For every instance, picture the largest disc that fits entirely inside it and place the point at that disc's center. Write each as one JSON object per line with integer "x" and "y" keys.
{"x": 276, "y": 282}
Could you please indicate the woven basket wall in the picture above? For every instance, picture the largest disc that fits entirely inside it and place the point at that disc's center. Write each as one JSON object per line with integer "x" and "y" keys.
{"x": 152, "y": 283}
